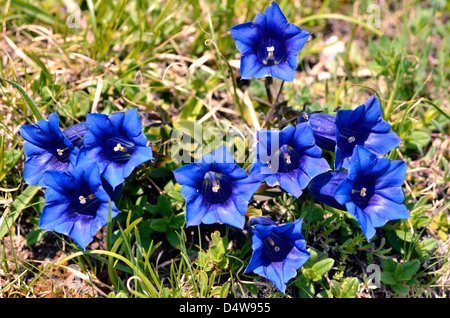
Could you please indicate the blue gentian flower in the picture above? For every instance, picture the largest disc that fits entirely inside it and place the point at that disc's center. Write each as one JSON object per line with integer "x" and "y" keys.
{"x": 289, "y": 158}
{"x": 77, "y": 203}
{"x": 46, "y": 148}
{"x": 116, "y": 143}
{"x": 216, "y": 189}
{"x": 324, "y": 129}
{"x": 363, "y": 126}
{"x": 278, "y": 250}
{"x": 269, "y": 45}
{"x": 370, "y": 190}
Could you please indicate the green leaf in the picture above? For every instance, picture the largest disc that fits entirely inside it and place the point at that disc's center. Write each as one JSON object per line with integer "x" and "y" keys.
{"x": 19, "y": 204}
{"x": 389, "y": 265}
{"x": 34, "y": 109}
{"x": 322, "y": 267}
{"x": 173, "y": 238}
{"x": 388, "y": 278}
{"x": 35, "y": 236}
{"x": 224, "y": 290}
{"x": 410, "y": 268}
{"x": 400, "y": 289}
{"x": 428, "y": 244}
{"x": 159, "y": 225}
{"x": 164, "y": 205}
{"x": 350, "y": 288}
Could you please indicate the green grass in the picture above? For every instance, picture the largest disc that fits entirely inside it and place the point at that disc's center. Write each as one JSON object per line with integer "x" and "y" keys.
{"x": 177, "y": 63}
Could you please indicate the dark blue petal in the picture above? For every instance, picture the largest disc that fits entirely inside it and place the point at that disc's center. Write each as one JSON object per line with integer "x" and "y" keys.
{"x": 45, "y": 134}
{"x": 304, "y": 141}
{"x": 382, "y": 210}
{"x": 323, "y": 186}
{"x": 313, "y": 166}
{"x": 363, "y": 219}
{"x": 343, "y": 191}
{"x": 132, "y": 127}
{"x": 394, "y": 176}
{"x": 366, "y": 163}
{"x": 276, "y": 21}
{"x": 75, "y": 133}
{"x": 282, "y": 71}
{"x": 263, "y": 72}
{"x": 324, "y": 129}
{"x": 246, "y": 33}
{"x": 195, "y": 209}
{"x": 225, "y": 213}
{"x": 113, "y": 173}
{"x": 290, "y": 31}
{"x": 104, "y": 126}
{"x": 250, "y": 65}
{"x": 191, "y": 174}
{"x": 381, "y": 144}
{"x": 294, "y": 45}
{"x": 139, "y": 156}
{"x": 370, "y": 113}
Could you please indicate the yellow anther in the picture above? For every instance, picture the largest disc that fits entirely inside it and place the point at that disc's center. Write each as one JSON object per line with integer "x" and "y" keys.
{"x": 270, "y": 50}
{"x": 269, "y": 239}
{"x": 288, "y": 158}
{"x": 119, "y": 147}
{"x": 60, "y": 152}
{"x": 82, "y": 199}
{"x": 351, "y": 139}
{"x": 215, "y": 187}
{"x": 363, "y": 192}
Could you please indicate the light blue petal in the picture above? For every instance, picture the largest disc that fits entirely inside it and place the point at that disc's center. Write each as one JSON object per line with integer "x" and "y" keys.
{"x": 283, "y": 71}
{"x": 381, "y": 144}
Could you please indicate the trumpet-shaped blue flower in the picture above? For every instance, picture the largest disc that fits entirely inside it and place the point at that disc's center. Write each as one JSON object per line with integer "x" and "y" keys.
{"x": 278, "y": 250}
{"x": 77, "y": 203}
{"x": 46, "y": 148}
{"x": 362, "y": 126}
{"x": 269, "y": 45}
{"x": 216, "y": 189}
{"x": 116, "y": 143}
{"x": 289, "y": 158}
{"x": 324, "y": 129}
{"x": 370, "y": 190}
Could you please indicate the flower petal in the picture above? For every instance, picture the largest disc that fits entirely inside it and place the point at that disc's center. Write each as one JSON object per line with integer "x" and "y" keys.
{"x": 191, "y": 174}
{"x": 276, "y": 21}
{"x": 283, "y": 71}
{"x": 382, "y": 210}
{"x": 293, "y": 47}
{"x": 246, "y": 33}
{"x": 139, "y": 156}
{"x": 381, "y": 144}
{"x": 323, "y": 187}
{"x": 132, "y": 127}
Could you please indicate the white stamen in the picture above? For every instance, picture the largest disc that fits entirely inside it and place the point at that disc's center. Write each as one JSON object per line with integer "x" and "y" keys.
{"x": 288, "y": 158}
{"x": 363, "y": 192}
{"x": 277, "y": 249}
{"x": 82, "y": 199}
{"x": 216, "y": 187}
{"x": 270, "y": 50}
{"x": 119, "y": 147}
{"x": 351, "y": 139}
{"x": 60, "y": 152}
